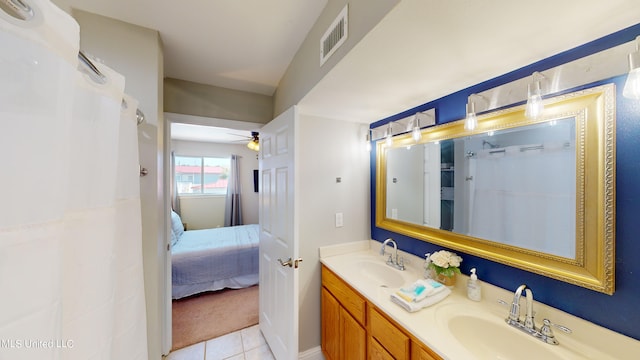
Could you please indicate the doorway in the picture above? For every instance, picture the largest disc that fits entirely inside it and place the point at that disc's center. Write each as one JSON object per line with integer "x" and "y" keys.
{"x": 207, "y": 137}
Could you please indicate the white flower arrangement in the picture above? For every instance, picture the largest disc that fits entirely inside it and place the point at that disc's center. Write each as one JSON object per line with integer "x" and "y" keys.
{"x": 445, "y": 262}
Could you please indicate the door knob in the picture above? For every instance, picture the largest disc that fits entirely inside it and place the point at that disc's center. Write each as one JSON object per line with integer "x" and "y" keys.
{"x": 290, "y": 262}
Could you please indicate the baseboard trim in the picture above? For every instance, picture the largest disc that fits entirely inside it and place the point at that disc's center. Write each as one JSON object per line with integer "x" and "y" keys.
{"x": 311, "y": 354}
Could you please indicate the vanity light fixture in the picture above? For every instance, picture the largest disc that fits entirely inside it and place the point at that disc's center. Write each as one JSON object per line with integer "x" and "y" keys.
{"x": 632, "y": 85}
{"x": 471, "y": 121}
{"x": 415, "y": 132}
{"x": 389, "y": 134}
{"x": 368, "y": 143}
{"x": 534, "y": 97}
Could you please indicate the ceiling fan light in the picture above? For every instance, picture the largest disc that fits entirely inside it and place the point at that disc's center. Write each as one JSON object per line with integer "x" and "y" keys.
{"x": 254, "y": 143}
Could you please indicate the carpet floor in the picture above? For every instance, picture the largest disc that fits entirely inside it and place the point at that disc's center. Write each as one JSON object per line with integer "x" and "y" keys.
{"x": 209, "y": 315}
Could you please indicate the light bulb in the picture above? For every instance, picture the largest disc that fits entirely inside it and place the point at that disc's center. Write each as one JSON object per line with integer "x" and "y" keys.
{"x": 416, "y": 133}
{"x": 534, "y": 107}
{"x": 631, "y": 88}
{"x": 471, "y": 120}
{"x": 632, "y": 85}
{"x": 389, "y": 140}
{"x": 534, "y": 102}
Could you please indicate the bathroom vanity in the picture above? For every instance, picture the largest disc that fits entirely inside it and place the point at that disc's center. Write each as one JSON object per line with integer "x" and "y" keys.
{"x": 359, "y": 321}
{"x": 353, "y": 327}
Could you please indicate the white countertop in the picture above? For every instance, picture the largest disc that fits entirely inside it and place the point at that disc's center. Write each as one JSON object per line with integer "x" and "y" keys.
{"x": 429, "y": 325}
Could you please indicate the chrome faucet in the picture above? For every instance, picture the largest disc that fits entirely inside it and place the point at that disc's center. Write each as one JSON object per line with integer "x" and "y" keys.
{"x": 514, "y": 314}
{"x": 528, "y": 325}
{"x": 393, "y": 260}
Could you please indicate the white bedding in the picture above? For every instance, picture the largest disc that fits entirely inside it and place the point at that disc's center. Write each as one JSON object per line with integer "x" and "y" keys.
{"x": 213, "y": 259}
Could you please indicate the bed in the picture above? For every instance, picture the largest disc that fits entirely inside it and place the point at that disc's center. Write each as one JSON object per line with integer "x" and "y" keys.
{"x": 212, "y": 259}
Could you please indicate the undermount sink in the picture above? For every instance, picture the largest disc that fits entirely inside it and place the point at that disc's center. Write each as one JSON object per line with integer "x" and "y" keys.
{"x": 488, "y": 336}
{"x": 380, "y": 272}
{"x": 490, "y": 340}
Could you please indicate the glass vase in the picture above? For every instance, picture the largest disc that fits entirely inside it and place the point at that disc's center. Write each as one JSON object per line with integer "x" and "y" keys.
{"x": 448, "y": 281}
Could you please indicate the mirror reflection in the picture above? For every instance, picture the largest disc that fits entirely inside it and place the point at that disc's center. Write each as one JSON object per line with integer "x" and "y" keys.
{"x": 536, "y": 194}
{"x": 516, "y": 186}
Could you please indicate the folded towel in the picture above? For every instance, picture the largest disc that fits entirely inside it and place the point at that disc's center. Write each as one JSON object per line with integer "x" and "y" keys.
{"x": 420, "y": 290}
{"x": 412, "y": 306}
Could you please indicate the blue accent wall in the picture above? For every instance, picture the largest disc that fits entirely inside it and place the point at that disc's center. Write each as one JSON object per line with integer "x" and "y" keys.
{"x": 618, "y": 312}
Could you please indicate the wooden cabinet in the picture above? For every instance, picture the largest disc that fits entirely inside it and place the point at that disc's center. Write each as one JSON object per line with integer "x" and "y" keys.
{"x": 343, "y": 335}
{"x": 388, "y": 335}
{"x": 354, "y": 337}
{"x": 353, "y": 328}
{"x": 377, "y": 351}
{"x": 330, "y": 325}
{"x": 348, "y": 298}
{"x": 420, "y": 352}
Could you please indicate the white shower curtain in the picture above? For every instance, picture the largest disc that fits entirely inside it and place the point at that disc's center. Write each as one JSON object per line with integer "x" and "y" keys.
{"x": 70, "y": 228}
{"x": 519, "y": 190}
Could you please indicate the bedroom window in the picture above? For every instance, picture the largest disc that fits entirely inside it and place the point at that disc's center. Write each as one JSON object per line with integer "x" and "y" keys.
{"x": 201, "y": 175}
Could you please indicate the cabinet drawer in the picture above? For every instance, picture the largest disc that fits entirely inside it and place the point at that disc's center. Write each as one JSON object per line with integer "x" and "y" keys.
{"x": 389, "y": 336}
{"x": 377, "y": 352}
{"x": 349, "y": 299}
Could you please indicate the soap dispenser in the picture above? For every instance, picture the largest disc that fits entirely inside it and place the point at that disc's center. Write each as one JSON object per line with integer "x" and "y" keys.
{"x": 474, "y": 291}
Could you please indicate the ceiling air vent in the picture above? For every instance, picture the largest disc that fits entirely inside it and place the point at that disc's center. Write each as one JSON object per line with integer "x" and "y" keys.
{"x": 335, "y": 35}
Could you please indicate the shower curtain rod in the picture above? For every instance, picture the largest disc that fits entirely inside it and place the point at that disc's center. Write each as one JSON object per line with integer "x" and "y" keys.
{"x": 21, "y": 8}
{"x": 94, "y": 73}
{"x": 100, "y": 78}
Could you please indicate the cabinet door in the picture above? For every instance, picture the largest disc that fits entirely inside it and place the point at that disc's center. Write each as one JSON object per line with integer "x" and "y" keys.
{"x": 377, "y": 351}
{"x": 354, "y": 340}
{"x": 419, "y": 352}
{"x": 347, "y": 297}
{"x": 330, "y": 326}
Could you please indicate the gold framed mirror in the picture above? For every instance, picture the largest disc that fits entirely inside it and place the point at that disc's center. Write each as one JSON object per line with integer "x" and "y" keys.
{"x": 535, "y": 194}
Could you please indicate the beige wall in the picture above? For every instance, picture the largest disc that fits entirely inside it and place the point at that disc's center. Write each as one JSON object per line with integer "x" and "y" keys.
{"x": 202, "y": 212}
{"x": 304, "y": 71}
{"x": 328, "y": 149}
{"x": 136, "y": 53}
{"x": 185, "y": 97}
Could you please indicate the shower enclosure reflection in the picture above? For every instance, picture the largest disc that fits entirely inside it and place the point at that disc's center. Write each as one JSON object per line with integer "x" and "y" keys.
{"x": 514, "y": 186}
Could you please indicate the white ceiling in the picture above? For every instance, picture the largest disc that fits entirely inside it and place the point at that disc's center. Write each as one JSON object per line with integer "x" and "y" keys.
{"x": 426, "y": 49}
{"x": 238, "y": 44}
{"x": 244, "y": 45}
{"x": 198, "y": 128}
{"x": 421, "y": 51}
{"x": 180, "y": 131}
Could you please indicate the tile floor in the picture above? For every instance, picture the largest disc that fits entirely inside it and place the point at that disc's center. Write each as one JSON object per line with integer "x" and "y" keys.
{"x": 246, "y": 344}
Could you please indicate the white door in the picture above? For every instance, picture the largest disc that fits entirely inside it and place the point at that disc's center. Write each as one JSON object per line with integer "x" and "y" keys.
{"x": 278, "y": 238}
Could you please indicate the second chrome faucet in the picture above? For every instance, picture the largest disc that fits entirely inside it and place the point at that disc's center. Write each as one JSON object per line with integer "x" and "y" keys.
{"x": 393, "y": 260}
{"x": 543, "y": 333}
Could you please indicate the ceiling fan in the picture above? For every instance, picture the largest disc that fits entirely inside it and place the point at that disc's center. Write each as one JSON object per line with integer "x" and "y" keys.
{"x": 253, "y": 140}
{"x": 254, "y": 143}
